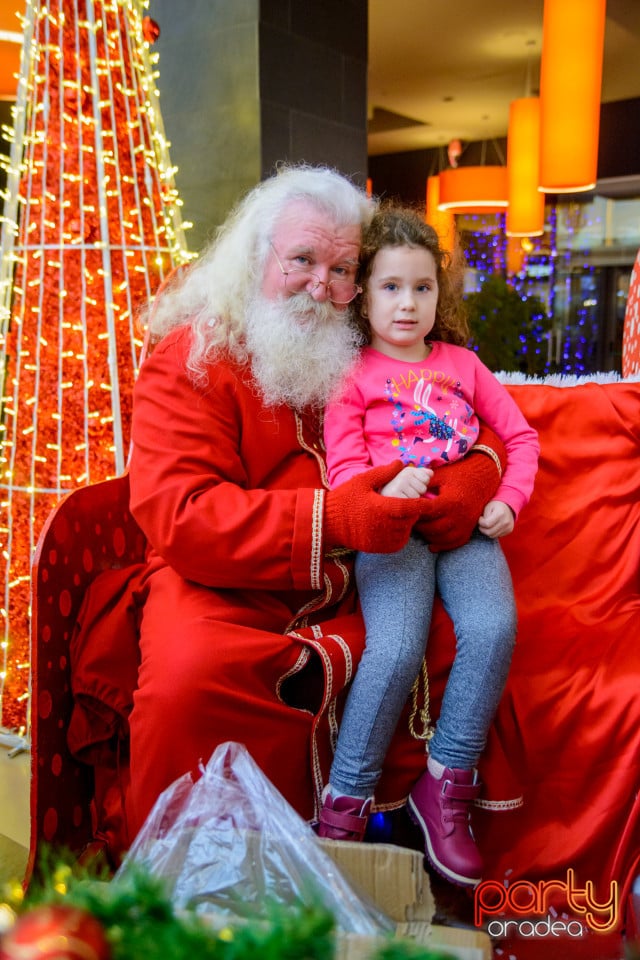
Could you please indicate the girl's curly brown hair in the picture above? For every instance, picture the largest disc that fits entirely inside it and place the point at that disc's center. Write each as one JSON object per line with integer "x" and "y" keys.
{"x": 403, "y": 226}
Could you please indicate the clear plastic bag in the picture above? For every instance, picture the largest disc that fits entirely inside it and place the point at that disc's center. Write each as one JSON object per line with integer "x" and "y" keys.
{"x": 230, "y": 844}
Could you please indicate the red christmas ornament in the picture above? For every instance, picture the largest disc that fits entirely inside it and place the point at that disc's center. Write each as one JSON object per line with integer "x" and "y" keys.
{"x": 55, "y": 933}
{"x": 150, "y": 29}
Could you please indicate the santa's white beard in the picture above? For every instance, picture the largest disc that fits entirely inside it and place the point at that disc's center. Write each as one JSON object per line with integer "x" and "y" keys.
{"x": 300, "y": 349}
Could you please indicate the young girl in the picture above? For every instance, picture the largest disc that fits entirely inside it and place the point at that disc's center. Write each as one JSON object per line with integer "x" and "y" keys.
{"x": 416, "y": 394}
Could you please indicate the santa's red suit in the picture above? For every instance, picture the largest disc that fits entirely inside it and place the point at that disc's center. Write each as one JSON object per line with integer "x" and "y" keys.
{"x": 250, "y": 631}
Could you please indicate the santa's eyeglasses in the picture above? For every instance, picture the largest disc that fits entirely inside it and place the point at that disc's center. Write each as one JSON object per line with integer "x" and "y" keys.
{"x": 339, "y": 291}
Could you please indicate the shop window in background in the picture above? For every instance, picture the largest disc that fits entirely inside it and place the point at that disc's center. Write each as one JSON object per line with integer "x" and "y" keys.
{"x": 579, "y": 271}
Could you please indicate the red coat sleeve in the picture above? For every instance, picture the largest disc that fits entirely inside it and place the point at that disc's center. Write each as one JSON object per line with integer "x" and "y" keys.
{"x": 223, "y": 489}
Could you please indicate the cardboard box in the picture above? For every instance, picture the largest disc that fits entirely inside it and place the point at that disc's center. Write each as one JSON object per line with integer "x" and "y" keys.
{"x": 395, "y": 880}
{"x": 460, "y": 943}
{"x": 393, "y": 877}
{"x": 464, "y": 943}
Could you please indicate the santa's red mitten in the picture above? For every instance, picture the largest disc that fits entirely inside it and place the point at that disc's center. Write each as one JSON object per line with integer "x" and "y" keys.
{"x": 462, "y": 490}
{"x": 358, "y": 517}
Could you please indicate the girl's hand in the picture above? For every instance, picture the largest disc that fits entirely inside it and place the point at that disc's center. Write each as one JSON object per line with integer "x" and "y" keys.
{"x": 412, "y": 482}
{"x": 497, "y": 520}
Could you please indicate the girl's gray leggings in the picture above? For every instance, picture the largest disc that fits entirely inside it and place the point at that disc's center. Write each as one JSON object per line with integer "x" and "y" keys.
{"x": 396, "y": 593}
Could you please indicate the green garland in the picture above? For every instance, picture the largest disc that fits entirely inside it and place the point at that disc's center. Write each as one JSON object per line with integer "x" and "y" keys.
{"x": 140, "y": 923}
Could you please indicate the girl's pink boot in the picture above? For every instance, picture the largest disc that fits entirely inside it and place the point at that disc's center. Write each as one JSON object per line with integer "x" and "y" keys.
{"x": 442, "y": 810}
{"x": 343, "y": 818}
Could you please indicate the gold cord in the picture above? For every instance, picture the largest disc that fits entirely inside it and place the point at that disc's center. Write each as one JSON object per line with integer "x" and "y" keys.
{"x": 422, "y": 714}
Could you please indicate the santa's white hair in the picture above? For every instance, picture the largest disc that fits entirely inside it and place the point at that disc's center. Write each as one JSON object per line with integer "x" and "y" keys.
{"x": 212, "y": 295}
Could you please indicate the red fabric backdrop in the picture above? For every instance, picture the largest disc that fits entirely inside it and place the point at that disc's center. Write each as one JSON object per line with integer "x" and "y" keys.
{"x": 570, "y": 718}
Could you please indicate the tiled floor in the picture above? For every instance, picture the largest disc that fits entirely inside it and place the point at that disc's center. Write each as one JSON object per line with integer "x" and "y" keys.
{"x": 14, "y": 814}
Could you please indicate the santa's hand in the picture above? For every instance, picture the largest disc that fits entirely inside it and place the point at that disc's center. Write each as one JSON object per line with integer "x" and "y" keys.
{"x": 463, "y": 489}
{"x": 357, "y": 516}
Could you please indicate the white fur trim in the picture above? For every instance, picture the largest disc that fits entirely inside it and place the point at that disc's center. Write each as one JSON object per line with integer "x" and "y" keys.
{"x": 563, "y": 380}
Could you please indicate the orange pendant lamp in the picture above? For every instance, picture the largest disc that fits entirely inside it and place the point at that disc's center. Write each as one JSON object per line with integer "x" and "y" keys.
{"x": 570, "y": 90}
{"x": 442, "y": 221}
{"x": 514, "y": 255}
{"x": 525, "y": 213}
{"x": 474, "y": 189}
{"x": 10, "y": 50}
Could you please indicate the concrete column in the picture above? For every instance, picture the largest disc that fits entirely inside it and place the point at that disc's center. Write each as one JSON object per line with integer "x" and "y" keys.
{"x": 247, "y": 84}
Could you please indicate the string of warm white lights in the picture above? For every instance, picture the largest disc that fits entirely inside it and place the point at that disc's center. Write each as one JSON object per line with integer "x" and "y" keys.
{"x": 91, "y": 227}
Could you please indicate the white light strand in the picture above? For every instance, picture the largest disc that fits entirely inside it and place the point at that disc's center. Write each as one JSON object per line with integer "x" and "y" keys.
{"x": 173, "y": 219}
{"x": 85, "y": 342}
{"x": 135, "y": 26}
{"x": 118, "y": 439}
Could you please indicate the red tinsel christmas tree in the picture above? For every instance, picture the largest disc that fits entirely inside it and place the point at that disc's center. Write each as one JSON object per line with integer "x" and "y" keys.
{"x": 91, "y": 228}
